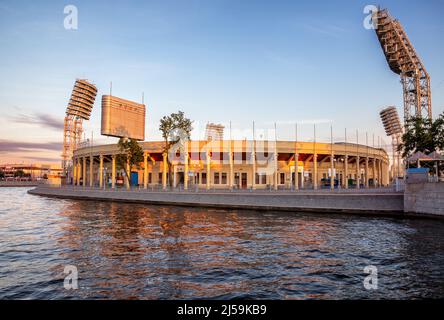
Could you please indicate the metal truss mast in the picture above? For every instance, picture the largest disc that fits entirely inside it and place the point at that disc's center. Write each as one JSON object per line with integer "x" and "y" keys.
{"x": 79, "y": 109}
{"x": 404, "y": 61}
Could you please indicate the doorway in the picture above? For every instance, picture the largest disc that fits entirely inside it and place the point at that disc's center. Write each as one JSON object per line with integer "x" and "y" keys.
{"x": 244, "y": 180}
{"x": 300, "y": 177}
{"x": 237, "y": 180}
{"x": 180, "y": 178}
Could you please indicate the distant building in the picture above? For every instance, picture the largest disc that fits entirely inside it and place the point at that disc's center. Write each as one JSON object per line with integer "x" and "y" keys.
{"x": 214, "y": 132}
{"x": 30, "y": 171}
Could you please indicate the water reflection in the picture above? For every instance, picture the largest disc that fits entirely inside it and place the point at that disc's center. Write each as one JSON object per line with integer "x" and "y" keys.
{"x": 127, "y": 251}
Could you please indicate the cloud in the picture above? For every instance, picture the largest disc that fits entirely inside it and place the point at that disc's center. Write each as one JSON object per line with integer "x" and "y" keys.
{"x": 42, "y": 159}
{"x": 19, "y": 146}
{"x": 326, "y": 29}
{"x": 301, "y": 121}
{"x": 41, "y": 119}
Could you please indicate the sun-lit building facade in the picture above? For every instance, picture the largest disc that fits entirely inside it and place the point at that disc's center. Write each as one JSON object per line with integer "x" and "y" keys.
{"x": 31, "y": 171}
{"x": 240, "y": 164}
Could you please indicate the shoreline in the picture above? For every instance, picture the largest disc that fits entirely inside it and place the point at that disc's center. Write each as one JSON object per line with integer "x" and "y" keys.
{"x": 369, "y": 204}
{"x": 363, "y": 204}
{"x": 18, "y": 184}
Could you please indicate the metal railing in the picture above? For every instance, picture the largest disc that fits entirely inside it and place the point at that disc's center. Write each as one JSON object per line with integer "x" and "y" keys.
{"x": 198, "y": 189}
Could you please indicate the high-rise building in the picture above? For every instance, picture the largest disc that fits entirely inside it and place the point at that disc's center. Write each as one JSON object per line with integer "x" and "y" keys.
{"x": 214, "y": 132}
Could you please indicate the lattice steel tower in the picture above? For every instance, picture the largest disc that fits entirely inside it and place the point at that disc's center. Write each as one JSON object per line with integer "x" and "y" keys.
{"x": 79, "y": 109}
{"x": 404, "y": 61}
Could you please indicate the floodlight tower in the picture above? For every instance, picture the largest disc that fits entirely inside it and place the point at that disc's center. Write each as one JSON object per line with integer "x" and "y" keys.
{"x": 392, "y": 125}
{"x": 79, "y": 109}
{"x": 404, "y": 61}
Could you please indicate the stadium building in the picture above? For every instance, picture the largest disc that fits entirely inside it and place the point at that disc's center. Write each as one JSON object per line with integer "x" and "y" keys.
{"x": 240, "y": 164}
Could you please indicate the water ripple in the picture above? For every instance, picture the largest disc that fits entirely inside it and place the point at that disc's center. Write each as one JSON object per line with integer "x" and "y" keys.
{"x": 127, "y": 251}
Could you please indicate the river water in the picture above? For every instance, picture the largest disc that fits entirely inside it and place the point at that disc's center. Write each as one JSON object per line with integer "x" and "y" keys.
{"x": 131, "y": 251}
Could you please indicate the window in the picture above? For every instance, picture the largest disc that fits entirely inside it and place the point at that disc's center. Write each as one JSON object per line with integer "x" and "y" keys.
{"x": 261, "y": 178}
{"x": 150, "y": 177}
{"x": 203, "y": 176}
{"x": 160, "y": 178}
{"x": 216, "y": 178}
{"x": 224, "y": 178}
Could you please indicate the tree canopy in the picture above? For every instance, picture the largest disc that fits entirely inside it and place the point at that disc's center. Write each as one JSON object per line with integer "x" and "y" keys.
{"x": 423, "y": 135}
{"x": 175, "y": 128}
{"x": 131, "y": 153}
{"x": 19, "y": 173}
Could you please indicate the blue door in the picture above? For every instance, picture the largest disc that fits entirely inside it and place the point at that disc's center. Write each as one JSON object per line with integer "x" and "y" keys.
{"x": 134, "y": 179}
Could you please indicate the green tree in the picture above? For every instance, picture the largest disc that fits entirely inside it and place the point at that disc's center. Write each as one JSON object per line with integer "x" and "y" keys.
{"x": 2, "y": 174}
{"x": 438, "y": 131}
{"x": 19, "y": 173}
{"x": 130, "y": 156}
{"x": 422, "y": 135}
{"x": 175, "y": 128}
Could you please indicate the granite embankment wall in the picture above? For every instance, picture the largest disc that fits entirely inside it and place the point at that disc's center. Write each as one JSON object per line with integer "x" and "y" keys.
{"x": 424, "y": 198}
{"x": 366, "y": 203}
{"x": 16, "y": 184}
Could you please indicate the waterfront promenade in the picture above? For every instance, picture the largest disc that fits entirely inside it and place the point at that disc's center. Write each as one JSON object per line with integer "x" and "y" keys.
{"x": 373, "y": 201}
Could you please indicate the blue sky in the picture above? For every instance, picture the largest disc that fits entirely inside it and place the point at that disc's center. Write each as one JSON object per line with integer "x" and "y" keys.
{"x": 218, "y": 61}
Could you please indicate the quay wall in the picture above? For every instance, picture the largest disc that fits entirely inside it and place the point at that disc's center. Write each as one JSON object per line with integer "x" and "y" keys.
{"x": 424, "y": 198}
{"x": 16, "y": 184}
{"x": 357, "y": 203}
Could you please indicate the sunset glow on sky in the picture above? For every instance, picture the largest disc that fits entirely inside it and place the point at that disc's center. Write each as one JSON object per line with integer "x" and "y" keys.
{"x": 218, "y": 61}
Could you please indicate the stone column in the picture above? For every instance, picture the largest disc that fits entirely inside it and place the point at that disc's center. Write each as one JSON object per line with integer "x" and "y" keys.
{"x": 186, "y": 168}
{"x": 332, "y": 175}
{"x": 358, "y": 173}
{"x": 381, "y": 183}
{"x": 346, "y": 172}
{"x": 374, "y": 172}
{"x": 253, "y": 158}
{"x": 164, "y": 172}
{"x": 74, "y": 171}
{"x": 145, "y": 170}
{"x": 91, "y": 172}
{"x": 302, "y": 177}
{"x": 77, "y": 170}
{"x": 84, "y": 172}
{"x": 100, "y": 173}
{"x": 231, "y": 170}
{"x": 366, "y": 173}
{"x": 113, "y": 171}
{"x": 174, "y": 176}
{"x": 208, "y": 170}
{"x": 315, "y": 171}
{"x": 296, "y": 172}
{"x": 275, "y": 170}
